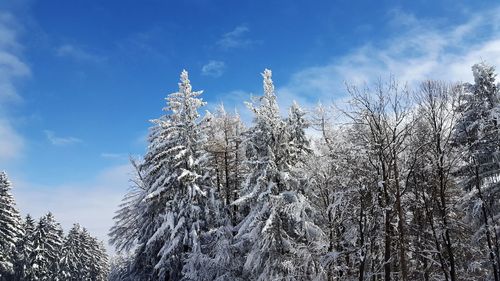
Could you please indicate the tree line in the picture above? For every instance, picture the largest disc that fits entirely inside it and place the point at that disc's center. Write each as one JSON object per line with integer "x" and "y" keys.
{"x": 38, "y": 250}
{"x": 398, "y": 183}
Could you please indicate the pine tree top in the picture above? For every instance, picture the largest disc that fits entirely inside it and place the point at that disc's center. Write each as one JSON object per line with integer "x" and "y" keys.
{"x": 5, "y": 184}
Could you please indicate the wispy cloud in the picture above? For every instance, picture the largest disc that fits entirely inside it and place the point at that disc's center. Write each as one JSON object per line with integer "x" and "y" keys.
{"x": 237, "y": 38}
{"x": 423, "y": 49}
{"x": 119, "y": 156}
{"x": 78, "y": 53}
{"x": 60, "y": 141}
{"x": 12, "y": 67}
{"x": 213, "y": 68}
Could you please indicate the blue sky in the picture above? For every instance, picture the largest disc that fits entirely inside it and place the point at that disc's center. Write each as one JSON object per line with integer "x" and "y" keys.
{"x": 80, "y": 79}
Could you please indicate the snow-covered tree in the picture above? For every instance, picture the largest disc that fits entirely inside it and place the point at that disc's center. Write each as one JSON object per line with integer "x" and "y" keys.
{"x": 345, "y": 189}
{"x": 119, "y": 268}
{"x": 166, "y": 216}
{"x": 70, "y": 262}
{"x": 102, "y": 260}
{"x": 83, "y": 257}
{"x": 298, "y": 143}
{"x": 35, "y": 251}
{"x": 277, "y": 236}
{"x": 224, "y": 132}
{"x": 216, "y": 260}
{"x": 176, "y": 150}
{"x": 24, "y": 248}
{"x": 93, "y": 258}
{"x": 477, "y": 134}
{"x": 10, "y": 228}
{"x": 391, "y": 188}
{"x": 435, "y": 221}
{"x": 126, "y": 229}
{"x": 47, "y": 242}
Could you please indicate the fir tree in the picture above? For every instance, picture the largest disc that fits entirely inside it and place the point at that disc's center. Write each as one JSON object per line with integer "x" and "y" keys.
{"x": 83, "y": 257}
{"x": 47, "y": 242}
{"x": 171, "y": 207}
{"x": 70, "y": 262}
{"x": 24, "y": 248}
{"x": 176, "y": 150}
{"x": 278, "y": 234}
{"x": 10, "y": 228}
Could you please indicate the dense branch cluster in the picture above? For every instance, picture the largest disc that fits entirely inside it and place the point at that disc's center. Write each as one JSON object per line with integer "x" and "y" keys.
{"x": 396, "y": 184}
{"x": 31, "y": 250}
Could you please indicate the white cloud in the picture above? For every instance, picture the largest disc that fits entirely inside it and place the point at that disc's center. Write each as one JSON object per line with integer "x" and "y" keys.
{"x": 109, "y": 155}
{"x": 236, "y": 38}
{"x": 60, "y": 141}
{"x": 12, "y": 66}
{"x": 91, "y": 204}
{"x": 77, "y": 53}
{"x": 11, "y": 143}
{"x": 213, "y": 68}
{"x": 422, "y": 50}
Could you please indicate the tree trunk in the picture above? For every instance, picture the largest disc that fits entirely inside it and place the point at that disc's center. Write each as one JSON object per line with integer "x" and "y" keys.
{"x": 387, "y": 224}
{"x": 399, "y": 209}
{"x": 442, "y": 196}
{"x": 362, "y": 242}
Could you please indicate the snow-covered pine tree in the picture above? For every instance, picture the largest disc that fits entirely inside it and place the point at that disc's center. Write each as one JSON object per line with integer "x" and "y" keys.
{"x": 47, "y": 243}
{"x": 277, "y": 236}
{"x": 83, "y": 257}
{"x": 296, "y": 124}
{"x": 93, "y": 258}
{"x": 10, "y": 228}
{"x": 70, "y": 261}
{"x": 86, "y": 258}
{"x": 102, "y": 260}
{"x": 177, "y": 192}
{"x": 24, "y": 248}
{"x": 217, "y": 258}
{"x": 477, "y": 133}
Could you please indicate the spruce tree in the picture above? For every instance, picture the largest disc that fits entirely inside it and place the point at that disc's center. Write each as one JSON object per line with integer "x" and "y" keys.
{"x": 24, "y": 248}
{"x": 184, "y": 190}
{"x": 83, "y": 257}
{"x": 70, "y": 262}
{"x": 93, "y": 258}
{"x": 278, "y": 234}
{"x": 47, "y": 242}
{"x": 170, "y": 209}
{"x": 10, "y": 228}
